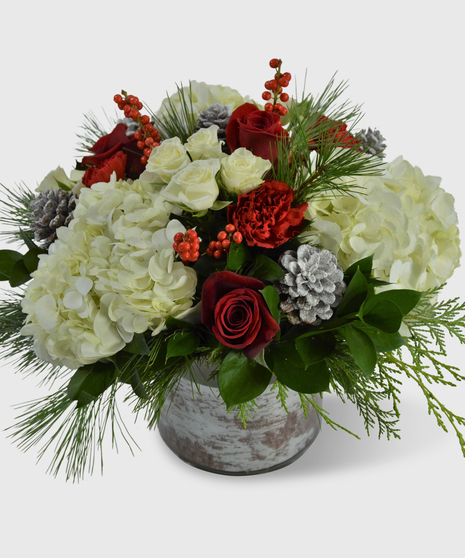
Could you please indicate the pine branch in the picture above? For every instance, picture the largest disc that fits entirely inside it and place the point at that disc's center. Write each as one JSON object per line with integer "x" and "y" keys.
{"x": 93, "y": 130}
{"x": 14, "y": 211}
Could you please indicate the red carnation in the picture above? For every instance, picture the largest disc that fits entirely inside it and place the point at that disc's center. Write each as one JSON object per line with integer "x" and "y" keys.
{"x": 333, "y": 132}
{"x": 115, "y": 141}
{"x": 256, "y": 130}
{"x": 265, "y": 217}
{"x": 103, "y": 171}
{"x": 236, "y": 313}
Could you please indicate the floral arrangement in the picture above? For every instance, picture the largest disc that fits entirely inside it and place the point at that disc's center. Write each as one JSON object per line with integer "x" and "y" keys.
{"x": 270, "y": 243}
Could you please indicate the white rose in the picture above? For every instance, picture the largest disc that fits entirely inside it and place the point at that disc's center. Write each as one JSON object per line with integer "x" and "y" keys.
{"x": 165, "y": 161}
{"x": 242, "y": 171}
{"x": 202, "y": 96}
{"x": 204, "y": 144}
{"x": 195, "y": 186}
{"x": 58, "y": 179}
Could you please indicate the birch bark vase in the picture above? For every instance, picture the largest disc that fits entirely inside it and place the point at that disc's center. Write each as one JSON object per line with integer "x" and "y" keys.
{"x": 197, "y": 428}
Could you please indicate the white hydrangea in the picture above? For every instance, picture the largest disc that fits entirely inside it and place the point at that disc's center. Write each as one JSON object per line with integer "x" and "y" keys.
{"x": 403, "y": 218}
{"x": 107, "y": 276}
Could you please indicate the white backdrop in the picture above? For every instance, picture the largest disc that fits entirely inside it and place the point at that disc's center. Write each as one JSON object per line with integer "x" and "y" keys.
{"x": 404, "y": 61}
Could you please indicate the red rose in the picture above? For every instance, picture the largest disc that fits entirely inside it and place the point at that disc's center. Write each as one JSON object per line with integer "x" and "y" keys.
{"x": 116, "y": 141}
{"x": 103, "y": 171}
{"x": 256, "y": 130}
{"x": 333, "y": 132}
{"x": 236, "y": 313}
{"x": 265, "y": 217}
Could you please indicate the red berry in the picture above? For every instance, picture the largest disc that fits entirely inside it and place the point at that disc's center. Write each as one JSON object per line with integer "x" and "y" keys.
{"x": 237, "y": 237}
{"x": 149, "y": 142}
{"x": 274, "y": 85}
{"x": 184, "y": 246}
{"x": 230, "y": 228}
{"x": 156, "y": 144}
{"x": 149, "y": 127}
{"x": 209, "y": 252}
{"x": 121, "y": 106}
{"x": 185, "y": 256}
{"x": 226, "y": 244}
{"x": 287, "y": 76}
{"x": 145, "y": 119}
{"x": 191, "y": 233}
{"x": 266, "y": 95}
{"x": 176, "y": 246}
{"x": 194, "y": 256}
{"x": 269, "y": 107}
{"x": 221, "y": 235}
{"x": 134, "y": 114}
{"x": 147, "y": 152}
{"x": 217, "y": 254}
{"x": 139, "y": 105}
{"x": 118, "y": 99}
{"x": 127, "y": 109}
{"x": 284, "y": 97}
{"x": 274, "y": 63}
{"x": 283, "y": 81}
{"x": 218, "y": 245}
{"x": 178, "y": 237}
{"x": 140, "y": 145}
{"x": 138, "y": 135}
{"x": 143, "y": 160}
{"x": 212, "y": 245}
{"x": 268, "y": 85}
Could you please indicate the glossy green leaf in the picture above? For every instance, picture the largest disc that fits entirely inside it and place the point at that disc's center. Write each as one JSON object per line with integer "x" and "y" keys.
{"x": 182, "y": 343}
{"x": 271, "y": 296}
{"x": 241, "y": 379}
{"x": 19, "y": 274}
{"x": 365, "y": 265}
{"x": 354, "y": 296}
{"x": 384, "y": 315}
{"x": 405, "y": 299}
{"x": 138, "y": 345}
{"x": 8, "y": 258}
{"x": 238, "y": 256}
{"x": 267, "y": 269}
{"x": 315, "y": 348}
{"x": 290, "y": 369}
{"x": 383, "y": 342}
{"x": 31, "y": 258}
{"x": 361, "y": 348}
{"x": 89, "y": 382}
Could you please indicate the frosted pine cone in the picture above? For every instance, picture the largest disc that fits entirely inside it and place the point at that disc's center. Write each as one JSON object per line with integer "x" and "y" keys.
{"x": 373, "y": 140}
{"x": 50, "y": 210}
{"x": 313, "y": 285}
{"x": 215, "y": 114}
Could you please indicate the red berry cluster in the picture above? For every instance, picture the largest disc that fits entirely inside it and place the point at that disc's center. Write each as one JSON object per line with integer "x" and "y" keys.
{"x": 147, "y": 136}
{"x": 187, "y": 245}
{"x": 217, "y": 248}
{"x": 276, "y": 86}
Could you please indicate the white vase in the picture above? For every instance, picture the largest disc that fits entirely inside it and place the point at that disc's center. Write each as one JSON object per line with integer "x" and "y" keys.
{"x": 198, "y": 429}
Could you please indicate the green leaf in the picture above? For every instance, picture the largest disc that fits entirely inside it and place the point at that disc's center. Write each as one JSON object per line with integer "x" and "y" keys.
{"x": 27, "y": 241}
{"x": 218, "y": 205}
{"x": 138, "y": 345}
{"x": 182, "y": 343}
{"x": 241, "y": 379}
{"x": 62, "y": 185}
{"x": 131, "y": 377}
{"x": 383, "y": 314}
{"x": 290, "y": 369}
{"x": 404, "y": 299}
{"x": 19, "y": 274}
{"x": 271, "y": 296}
{"x": 316, "y": 348}
{"x": 238, "y": 256}
{"x": 383, "y": 342}
{"x": 174, "y": 323}
{"x": 267, "y": 269}
{"x": 365, "y": 265}
{"x": 31, "y": 258}
{"x": 90, "y": 381}
{"x": 8, "y": 258}
{"x": 362, "y": 349}
{"x": 205, "y": 266}
{"x": 355, "y": 294}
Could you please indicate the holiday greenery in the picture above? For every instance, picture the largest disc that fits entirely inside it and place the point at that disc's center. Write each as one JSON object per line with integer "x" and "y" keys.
{"x": 271, "y": 244}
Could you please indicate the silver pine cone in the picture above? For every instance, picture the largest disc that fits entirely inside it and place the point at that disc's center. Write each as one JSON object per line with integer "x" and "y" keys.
{"x": 215, "y": 114}
{"x": 313, "y": 285}
{"x": 49, "y": 210}
{"x": 372, "y": 141}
